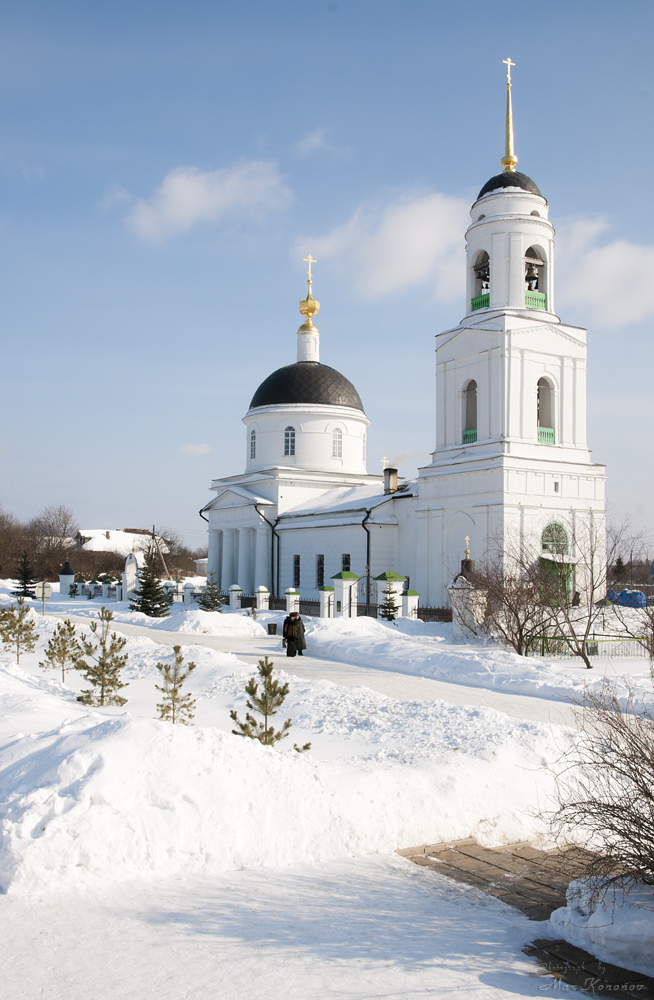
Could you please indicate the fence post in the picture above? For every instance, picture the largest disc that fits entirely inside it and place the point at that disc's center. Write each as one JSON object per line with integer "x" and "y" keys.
{"x": 292, "y": 600}
{"x": 326, "y": 602}
{"x": 235, "y": 596}
{"x": 262, "y": 595}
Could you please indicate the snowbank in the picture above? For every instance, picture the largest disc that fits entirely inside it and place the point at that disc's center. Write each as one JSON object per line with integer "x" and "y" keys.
{"x": 618, "y": 930}
{"x": 429, "y": 651}
{"x": 107, "y": 799}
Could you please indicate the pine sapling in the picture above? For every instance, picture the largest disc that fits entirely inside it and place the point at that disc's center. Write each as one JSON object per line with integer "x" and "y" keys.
{"x": 17, "y": 628}
{"x": 389, "y": 609}
{"x": 266, "y": 703}
{"x": 63, "y": 651}
{"x": 175, "y": 706}
{"x": 210, "y": 599}
{"x": 25, "y": 579}
{"x": 72, "y": 590}
{"x": 151, "y": 596}
{"x": 103, "y": 673}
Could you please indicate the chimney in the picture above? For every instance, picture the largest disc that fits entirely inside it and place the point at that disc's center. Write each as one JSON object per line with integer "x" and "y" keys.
{"x": 390, "y": 480}
{"x": 108, "y": 534}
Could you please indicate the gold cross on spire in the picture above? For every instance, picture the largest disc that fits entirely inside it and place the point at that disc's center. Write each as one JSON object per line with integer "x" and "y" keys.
{"x": 383, "y": 462}
{"x": 310, "y": 260}
{"x": 508, "y": 64}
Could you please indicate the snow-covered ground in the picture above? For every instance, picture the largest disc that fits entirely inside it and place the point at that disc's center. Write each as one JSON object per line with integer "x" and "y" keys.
{"x": 220, "y": 867}
{"x": 618, "y": 928}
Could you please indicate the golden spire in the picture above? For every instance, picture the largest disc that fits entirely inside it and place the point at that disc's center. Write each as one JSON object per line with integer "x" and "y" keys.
{"x": 309, "y": 306}
{"x": 509, "y": 159}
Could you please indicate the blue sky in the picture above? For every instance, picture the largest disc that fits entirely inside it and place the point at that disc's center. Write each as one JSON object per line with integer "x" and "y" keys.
{"x": 164, "y": 167}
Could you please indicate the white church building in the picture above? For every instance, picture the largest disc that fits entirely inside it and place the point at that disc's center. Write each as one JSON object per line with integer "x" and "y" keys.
{"x": 510, "y": 457}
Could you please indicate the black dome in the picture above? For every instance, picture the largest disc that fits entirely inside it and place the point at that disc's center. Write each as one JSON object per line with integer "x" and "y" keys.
{"x": 307, "y": 382}
{"x": 509, "y": 178}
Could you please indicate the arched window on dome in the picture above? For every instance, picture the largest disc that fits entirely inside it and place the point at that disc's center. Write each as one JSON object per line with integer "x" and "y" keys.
{"x": 289, "y": 441}
{"x": 253, "y": 444}
{"x": 470, "y": 412}
{"x": 481, "y": 294}
{"x": 545, "y": 412}
{"x": 535, "y": 284}
{"x": 337, "y": 443}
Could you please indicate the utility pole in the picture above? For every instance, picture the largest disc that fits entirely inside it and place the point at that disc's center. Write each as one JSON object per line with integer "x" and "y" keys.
{"x": 155, "y": 541}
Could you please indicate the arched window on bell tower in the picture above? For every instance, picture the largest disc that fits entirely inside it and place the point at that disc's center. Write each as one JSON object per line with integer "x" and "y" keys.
{"x": 481, "y": 296}
{"x": 470, "y": 412}
{"x": 535, "y": 283}
{"x": 545, "y": 411}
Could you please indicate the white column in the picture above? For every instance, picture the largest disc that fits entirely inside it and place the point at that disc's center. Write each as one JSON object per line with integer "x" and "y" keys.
{"x": 410, "y": 604}
{"x": 244, "y": 578}
{"x": 227, "y": 576}
{"x": 214, "y": 554}
{"x": 345, "y": 595}
{"x": 235, "y": 596}
{"x": 262, "y": 545}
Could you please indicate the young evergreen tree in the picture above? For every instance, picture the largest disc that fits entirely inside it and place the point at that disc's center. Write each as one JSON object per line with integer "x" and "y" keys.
{"x": 175, "y": 706}
{"x": 151, "y": 596}
{"x": 210, "y": 599}
{"x": 63, "y": 651}
{"x": 73, "y": 590}
{"x": 103, "y": 673}
{"x": 389, "y": 609}
{"x": 17, "y": 628}
{"x": 264, "y": 703}
{"x": 25, "y": 578}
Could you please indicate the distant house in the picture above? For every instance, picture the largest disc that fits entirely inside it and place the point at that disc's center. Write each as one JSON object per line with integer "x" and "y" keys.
{"x": 120, "y": 540}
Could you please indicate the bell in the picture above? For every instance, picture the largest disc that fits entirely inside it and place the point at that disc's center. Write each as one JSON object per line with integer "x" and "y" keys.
{"x": 532, "y": 277}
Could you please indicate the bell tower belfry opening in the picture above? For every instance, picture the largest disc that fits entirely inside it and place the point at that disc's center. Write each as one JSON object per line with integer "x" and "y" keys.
{"x": 511, "y": 453}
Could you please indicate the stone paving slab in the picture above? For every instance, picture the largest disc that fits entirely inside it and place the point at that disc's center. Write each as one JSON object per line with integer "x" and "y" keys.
{"x": 535, "y": 883}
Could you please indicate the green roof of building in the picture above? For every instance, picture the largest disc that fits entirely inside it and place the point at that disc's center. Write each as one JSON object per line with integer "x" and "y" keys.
{"x": 323, "y": 589}
{"x": 344, "y": 575}
{"x": 390, "y": 576}
{"x": 412, "y": 593}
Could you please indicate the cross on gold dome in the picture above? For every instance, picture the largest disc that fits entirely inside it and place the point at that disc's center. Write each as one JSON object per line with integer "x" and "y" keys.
{"x": 310, "y": 260}
{"x": 508, "y": 64}
{"x": 309, "y": 306}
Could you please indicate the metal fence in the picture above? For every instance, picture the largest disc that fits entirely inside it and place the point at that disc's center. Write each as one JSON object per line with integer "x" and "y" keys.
{"x": 600, "y": 648}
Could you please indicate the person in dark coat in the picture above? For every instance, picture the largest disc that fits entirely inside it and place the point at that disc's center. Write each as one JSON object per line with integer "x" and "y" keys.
{"x": 293, "y": 633}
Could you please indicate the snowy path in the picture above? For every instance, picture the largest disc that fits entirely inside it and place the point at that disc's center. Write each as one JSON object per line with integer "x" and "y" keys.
{"x": 405, "y": 687}
{"x": 344, "y": 930}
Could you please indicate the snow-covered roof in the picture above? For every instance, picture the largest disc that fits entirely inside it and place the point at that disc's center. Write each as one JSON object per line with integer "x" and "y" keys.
{"x": 239, "y": 492}
{"x": 350, "y": 498}
{"x": 116, "y": 540}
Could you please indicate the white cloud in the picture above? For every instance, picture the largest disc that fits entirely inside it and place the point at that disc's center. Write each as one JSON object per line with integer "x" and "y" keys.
{"x": 113, "y": 196}
{"x": 316, "y": 141}
{"x": 605, "y": 285}
{"x": 194, "y": 449}
{"x": 389, "y": 248}
{"x": 311, "y": 142}
{"x": 188, "y": 196}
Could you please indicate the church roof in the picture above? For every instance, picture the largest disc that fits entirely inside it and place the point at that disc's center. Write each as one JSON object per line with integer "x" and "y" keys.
{"x": 307, "y": 382}
{"x": 509, "y": 179}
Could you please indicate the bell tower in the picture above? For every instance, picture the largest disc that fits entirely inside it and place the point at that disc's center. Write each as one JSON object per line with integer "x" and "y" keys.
{"x": 511, "y": 453}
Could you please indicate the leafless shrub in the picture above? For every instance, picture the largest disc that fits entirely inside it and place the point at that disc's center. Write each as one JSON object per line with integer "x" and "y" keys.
{"x": 516, "y": 613}
{"x": 606, "y": 788}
